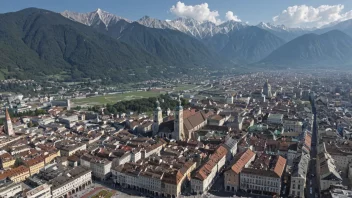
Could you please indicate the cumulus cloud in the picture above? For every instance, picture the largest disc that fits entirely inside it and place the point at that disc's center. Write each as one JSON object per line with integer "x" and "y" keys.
{"x": 199, "y": 12}
{"x": 231, "y": 17}
{"x": 309, "y": 16}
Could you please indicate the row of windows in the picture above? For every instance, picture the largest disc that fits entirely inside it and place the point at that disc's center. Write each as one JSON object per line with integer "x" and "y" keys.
{"x": 294, "y": 186}
{"x": 259, "y": 177}
{"x": 262, "y": 188}
{"x": 260, "y": 182}
{"x": 296, "y": 193}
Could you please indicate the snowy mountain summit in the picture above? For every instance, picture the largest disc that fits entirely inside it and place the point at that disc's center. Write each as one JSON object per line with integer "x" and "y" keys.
{"x": 93, "y": 18}
{"x": 186, "y": 25}
{"x": 193, "y": 27}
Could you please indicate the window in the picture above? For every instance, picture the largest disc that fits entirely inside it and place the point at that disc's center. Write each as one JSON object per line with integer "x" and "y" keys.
{"x": 293, "y": 186}
{"x": 299, "y": 187}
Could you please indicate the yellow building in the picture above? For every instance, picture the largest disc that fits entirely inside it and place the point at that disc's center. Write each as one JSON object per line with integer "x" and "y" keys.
{"x": 7, "y": 161}
{"x": 50, "y": 156}
{"x": 18, "y": 174}
{"x": 172, "y": 182}
{"x": 35, "y": 164}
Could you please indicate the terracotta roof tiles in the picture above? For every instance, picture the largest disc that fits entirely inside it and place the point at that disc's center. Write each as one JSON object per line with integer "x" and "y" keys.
{"x": 280, "y": 165}
{"x": 242, "y": 161}
{"x": 13, "y": 172}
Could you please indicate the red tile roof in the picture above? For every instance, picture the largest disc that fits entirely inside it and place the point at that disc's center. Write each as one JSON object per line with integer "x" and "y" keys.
{"x": 280, "y": 165}
{"x": 34, "y": 161}
{"x": 206, "y": 168}
{"x": 242, "y": 161}
{"x": 307, "y": 140}
{"x": 187, "y": 113}
{"x": 5, "y": 157}
{"x": 13, "y": 172}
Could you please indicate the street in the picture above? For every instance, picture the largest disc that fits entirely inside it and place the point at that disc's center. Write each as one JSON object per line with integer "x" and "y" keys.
{"x": 312, "y": 187}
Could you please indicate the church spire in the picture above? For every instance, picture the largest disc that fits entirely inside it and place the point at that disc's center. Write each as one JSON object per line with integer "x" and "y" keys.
{"x": 158, "y": 117}
{"x": 178, "y": 122}
{"x": 179, "y": 104}
{"x": 8, "y": 124}
{"x": 7, "y": 115}
{"x": 157, "y": 105}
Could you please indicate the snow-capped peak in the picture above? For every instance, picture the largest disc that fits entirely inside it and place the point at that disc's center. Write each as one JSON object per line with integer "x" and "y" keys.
{"x": 99, "y": 11}
{"x": 93, "y": 18}
{"x": 281, "y": 28}
{"x": 154, "y": 23}
{"x": 264, "y": 25}
{"x": 186, "y": 25}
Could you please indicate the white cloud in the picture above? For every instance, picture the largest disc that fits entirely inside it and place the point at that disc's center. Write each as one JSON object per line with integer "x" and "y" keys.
{"x": 199, "y": 12}
{"x": 309, "y": 16}
{"x": 231, "y": 17}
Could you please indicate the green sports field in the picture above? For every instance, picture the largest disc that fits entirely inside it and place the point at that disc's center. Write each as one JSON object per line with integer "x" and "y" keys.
{"x": 185, "y": 87}
{"x": 112, "y": 99}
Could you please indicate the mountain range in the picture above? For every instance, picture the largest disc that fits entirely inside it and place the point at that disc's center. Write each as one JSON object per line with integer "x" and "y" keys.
{"x": 231, "y": 41}
{"x": 36, "y": 43}
{"x": 244, "y": 44}
{"x": 331, "y": 48}
{"x": 39, "y": 43}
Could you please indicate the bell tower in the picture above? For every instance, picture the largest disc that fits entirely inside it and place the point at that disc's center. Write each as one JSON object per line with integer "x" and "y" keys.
{"x": 8, "y": 124}
{"x": 267, "y": 89}
{"x": 158, "y": 117}
{"x": 178, "y": 122}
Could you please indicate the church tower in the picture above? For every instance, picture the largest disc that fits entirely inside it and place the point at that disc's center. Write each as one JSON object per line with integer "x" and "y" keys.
{"x": 178, "y": 122}
{"x": 158, "y": 117}
{"x": 8, "y": 124}
{"x": 267, "y": 89}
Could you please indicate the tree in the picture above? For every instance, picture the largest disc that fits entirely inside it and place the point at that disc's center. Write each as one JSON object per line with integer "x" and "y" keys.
{"x": 18, "y": 162}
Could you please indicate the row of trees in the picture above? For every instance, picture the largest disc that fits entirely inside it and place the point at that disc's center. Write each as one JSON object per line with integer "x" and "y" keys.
{"x": 26, "y": 113}
{"x": 142, "y": 105}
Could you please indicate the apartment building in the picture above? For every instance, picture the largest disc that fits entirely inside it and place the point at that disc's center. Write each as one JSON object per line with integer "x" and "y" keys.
{"x": 275, "y": 118}
{"x": 264, "y": 175}
{"x": 42, "y": 191}
{"x": 10, "y": 189}
{"x": 328, "y": 173}
{"x": 157, "y": 179}
{"x": 204, "y": 177}
{"x": 152, "y": 149}
{"x": 231, "y": 145}
{"x": 101, "y": 167}
{"x": 298, "y": 175}
{"x": 16, "y": 175}
{"x": 6, "y": 160}
{"x": 232, "y": 175}
{"x": 71, "y": 181}
{"x": 50, "y": 156}
{"x": 35, "y": 164}
{"x": 69, "y": 148}
{"x": 293, "y": 125}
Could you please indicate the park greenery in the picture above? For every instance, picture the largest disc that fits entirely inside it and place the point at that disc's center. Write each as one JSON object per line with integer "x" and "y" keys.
{"x": 104, "y": 194}
{"x": 36, "y": 112}
{"x": 141, "y": 105}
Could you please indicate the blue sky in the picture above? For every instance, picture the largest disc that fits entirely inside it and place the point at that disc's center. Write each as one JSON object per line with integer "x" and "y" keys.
{"x": 252, "y": 11}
